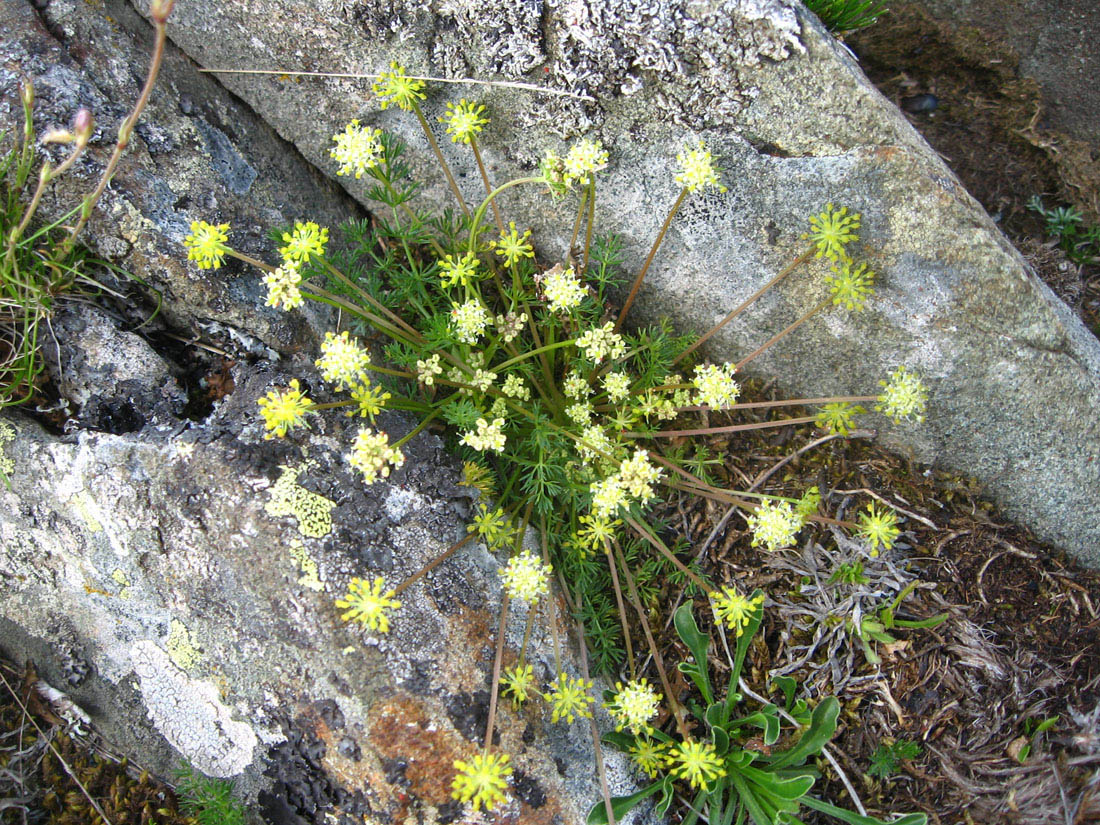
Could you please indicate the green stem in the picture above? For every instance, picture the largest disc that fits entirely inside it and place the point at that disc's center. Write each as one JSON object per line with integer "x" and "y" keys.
{"x": 588, "y": 226}
{"x": 417, "y": 430}
{"x": 370, "y": 299}
{"x": 529, "y": 353}
{"x": 576, "y": 227}
{"x": 734, "y": 428}
{"x": 479, "y": 215}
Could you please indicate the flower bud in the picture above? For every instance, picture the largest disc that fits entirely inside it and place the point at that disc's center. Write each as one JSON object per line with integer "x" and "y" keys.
{"x": 83, "y": 124}
{"x": 160, "y": 9}
{"x": 58, "y": 136}
{"x": 26, "y": 92}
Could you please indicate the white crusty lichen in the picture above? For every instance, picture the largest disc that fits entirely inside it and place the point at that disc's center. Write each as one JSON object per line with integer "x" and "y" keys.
{"x": 189, "y": 713}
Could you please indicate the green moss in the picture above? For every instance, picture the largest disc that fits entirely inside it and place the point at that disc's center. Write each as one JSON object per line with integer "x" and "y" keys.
{"x": 288, "y": 498}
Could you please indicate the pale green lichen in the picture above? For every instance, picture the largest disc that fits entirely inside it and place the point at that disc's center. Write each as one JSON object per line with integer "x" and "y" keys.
{"x": 288, "y": 498}
{"x": 181, "y": 646}
{"x": 7, "y": 435}
{"x": 85, "y": 507}
{"x": 308, "y": 566}
{"x": 124, "y": 583}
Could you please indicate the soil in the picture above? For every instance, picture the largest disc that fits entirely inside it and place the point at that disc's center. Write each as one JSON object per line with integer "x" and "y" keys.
{"x": 964, "y": 92}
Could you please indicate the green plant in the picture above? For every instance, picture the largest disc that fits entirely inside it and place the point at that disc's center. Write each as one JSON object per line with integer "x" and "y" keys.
{"x": 41, "y": 263}
{"x": 210, "y": 801}
{"x": 563, "y": 413}
{"x": 887, "y": 758}
{"x": 738, "y": 762}
{"x": 1033, "y": 730}
{"x": 840, "y": 16}
{"x": 868, "y": 630}
{"x": 1066, "y": 225}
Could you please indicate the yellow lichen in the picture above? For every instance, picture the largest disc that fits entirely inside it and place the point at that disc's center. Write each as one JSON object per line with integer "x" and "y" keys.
{"x": 85, "y": 507}
{"x": 308, "y": 566}
{"x": 288, "y": 498}
{"x": 181, "y": 647}
{"x": 7, "y": 434}
{"x": 120, "y": 578}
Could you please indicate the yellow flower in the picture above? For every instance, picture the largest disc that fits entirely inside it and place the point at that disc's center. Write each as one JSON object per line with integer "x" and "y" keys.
{"x": 904, "y": 396}
{"x": 482, "y": 780}
{"x": 569, "y": 699}
{"x": 372, "y": 455}
{"x": 518, "y": 682}
{"x": 774, "y": 525}
{"x": 284, "y": 411}
{"x": 526, "y": 577}
{"x": 206, "y": 245}
{"x": 357, "y": 149}
{"x": 307, "y": 239}
{"x": 464, "y": 120}
{"x": 831, "y": 230}
{"x": 697, "y": 169}
{"x": 695, "y": 762}
{"x": 838, "y": 417}
{"x": 879, "y": 528}
{"x": 395, "y": 86}
{"x": 367, "y": 604}
{"x": 633, "y": 706}
{"x": 454, "y": 270}
{"x": 369, "y": 398}
{"x": 850, "y": 285}
{"x": 583, "y": 158}
{"x": 342, "y": 360}
{"x": 596, "y": 531}
{"x": 492, "y": 525}
{"x": 648, "y": 754}
{"x": 734, "y": 609}
{"x": 282, "y": 286}
{"x": 512, "y": 246}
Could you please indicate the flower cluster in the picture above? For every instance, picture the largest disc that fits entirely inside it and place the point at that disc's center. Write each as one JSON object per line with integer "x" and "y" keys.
{"x": 634, "y": 705}
{"x": 427, "y": 369}
{"x": 850, "y": 285}
{"x": 697, "y": 169}
{"x": 468, "y": 321}
{"x": 306, "y": 240}
{"x": 617, "y": 385}
{"x": 831, "y": 230}
{"x": 634, "y": 480}
{"x": 569, "y": 698}
{"x": 397, "y": 88}
{"x": 563, "y": 288}
{"x": 602, "y": 342}
{"x": 526, "y": 577}
{"x": 512, "y": 246}
{"x": 879, "y": 528}
{"x": 372, "y": 455}
{"x": 715, "y": 387}
{"x": 518, "y": 682}
{"x": 283, "y": 411}
{"x": 583, "y": 159}
{"x": 342, "y": 360}
{"x": 735, "y": 610}
{"x": 775, "y": 525}
{"x": 282, "y": 286}
{"x": 357, "y": 149}
{"x": 904, "y": 396}
{"x": 487, "y": 436}
{"x": 838, "y": 417}
{"x": 367, "y": 604}
{"x": 464, "y": 120}
{"x": 458, "y": 270}
{"x": 206, "y": 245}
{"x": 695, "y": 762}
{"x": 482, "y": 781}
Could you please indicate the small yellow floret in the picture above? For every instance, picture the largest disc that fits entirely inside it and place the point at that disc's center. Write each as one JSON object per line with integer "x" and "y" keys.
{"x": 396, "y": 87}
{"x": 851, "y": 285}
{"x": 879, "y": 528}
{"x": 367, "y": 604}
{"x": 697, "y": 169}
{"x": 634, "y": 705}
{"x": 734, "y": 609}
{"x": 464, "y": 120}
{"x": 342, "y": 360}
{"x": 518, "y": 682}
{"x": 904, "y": 396}
{"x": 831, "y": 230}
{"x": 482, "y": 781}
{"x": 372, "y": 455}
{"x": 282, "y": 286}
{"x": 306, "y": 240}
{"x": 284, "y": 411}
{"x": 512, "y": 246}
{"x": 526, "y": 577}
{"x": 357, "y": 149}
{"x": 775, "y": 525}
{"x": 206, "y": 245}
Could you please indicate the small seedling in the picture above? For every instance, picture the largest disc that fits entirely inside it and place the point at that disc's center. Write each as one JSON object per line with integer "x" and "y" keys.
{"x": 887, "y": 758}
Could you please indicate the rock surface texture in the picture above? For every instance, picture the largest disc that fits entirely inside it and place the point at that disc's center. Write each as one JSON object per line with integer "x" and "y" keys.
{"x": 177, "y": 578}
{"x": 1015, "y": 377}
{"x": 179, "y": 584}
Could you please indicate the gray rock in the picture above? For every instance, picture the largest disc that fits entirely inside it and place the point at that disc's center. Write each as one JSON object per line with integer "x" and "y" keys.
{"x": 1015, "y": 378}
{"x": 184, "y": 597}
{"x": 209, "y": 159}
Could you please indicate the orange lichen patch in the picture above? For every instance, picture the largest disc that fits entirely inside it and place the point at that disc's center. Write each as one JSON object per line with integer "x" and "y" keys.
{"x": 402, "y": 728}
